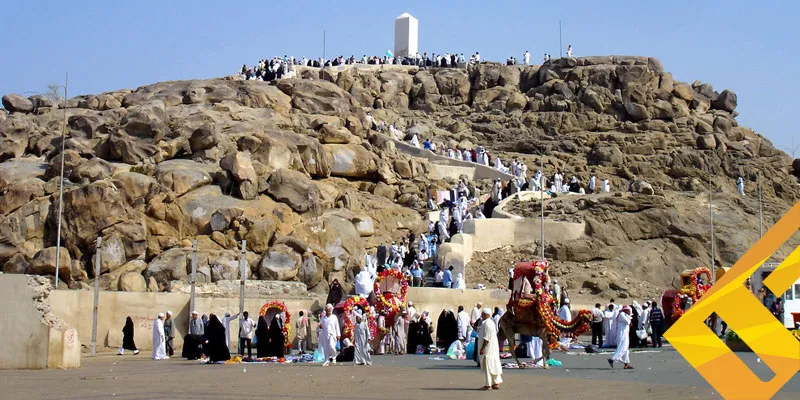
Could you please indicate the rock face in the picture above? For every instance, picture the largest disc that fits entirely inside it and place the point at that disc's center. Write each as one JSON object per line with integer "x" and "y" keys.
{"x": 297, "y": 169}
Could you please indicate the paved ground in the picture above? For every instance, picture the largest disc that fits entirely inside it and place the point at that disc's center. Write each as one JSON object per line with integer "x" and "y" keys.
{"x": 662, "y": 375}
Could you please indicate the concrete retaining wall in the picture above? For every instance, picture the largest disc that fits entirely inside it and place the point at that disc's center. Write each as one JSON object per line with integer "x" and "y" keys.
{"x": 29, "y": 343}
{"x": 444, "y": 167}
{"x": 75, "y": 307}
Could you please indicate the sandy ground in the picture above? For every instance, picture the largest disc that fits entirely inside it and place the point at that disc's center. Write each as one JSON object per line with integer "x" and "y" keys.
{"x": 658, "y": 375}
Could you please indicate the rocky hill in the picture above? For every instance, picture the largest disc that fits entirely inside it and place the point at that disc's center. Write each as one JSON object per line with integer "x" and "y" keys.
{"x": 293, "y": 168}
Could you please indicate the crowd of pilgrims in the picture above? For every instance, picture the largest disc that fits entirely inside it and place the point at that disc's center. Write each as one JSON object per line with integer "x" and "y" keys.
{"x": 283, "y": 67}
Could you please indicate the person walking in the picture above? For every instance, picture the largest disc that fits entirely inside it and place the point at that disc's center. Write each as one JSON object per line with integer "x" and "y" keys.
{"x": 301, "y": 327}
{"x": 169, "y": 334}
{"x": 226, "y": 323}
{"x": 597, "y": 325}
{"x": 246, "y": 330}
{"x": 489, "y": 352}
{"x": 127, "y": 338}
{"x": 656, "y": 321}
{"x": 361, "y": 336}
{"x": 623, "y": 326}
{"x": 159, "y": 339}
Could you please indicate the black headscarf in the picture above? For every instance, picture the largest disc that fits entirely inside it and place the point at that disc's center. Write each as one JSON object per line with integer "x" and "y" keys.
{"x": 276, "y": 339}
{"x": 412, "y": 340}
{"x": 262, "y": 338}
{"x": 216, "y": 349}
{"x": 127, "y": 335}
{"x": 335, "y": 293}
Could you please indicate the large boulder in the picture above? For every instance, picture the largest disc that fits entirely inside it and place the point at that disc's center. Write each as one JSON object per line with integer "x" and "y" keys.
{"x": 351, "y": 161}
{"x": 280, "y": 263}
{"x": 14, "y": 134}
{"x": 17, "y": 264}
{"x": 636, "y": 112}
{"x": 16, "y": 103}
{"x": 317, "y": 97}
{"x": 81, "y": 228}
{"x": 796, "y": 167}
{"x": 20, "y": 193}
{"x": 132, "y": 282}
{"x": 110, "y": 280}
{"x": 726, "y": 101}
{"x": 299, "y": 192}
{"x": 310, "y": 273}
{"x": 453, "y": 85}
{"x": 240, "y": 167}
{"x": 170, "y": 265}
{"x": 642, "y": 187}
{"x": 203, "y": 138}
{"x": 147, "y": 121}
{"x": 706, "y": 142}
{"x": 44, "y": 263}
{"x": 183, "y": 176}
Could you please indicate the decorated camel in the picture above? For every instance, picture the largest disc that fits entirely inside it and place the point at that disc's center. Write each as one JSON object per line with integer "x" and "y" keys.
{"x": 530, "y": 311}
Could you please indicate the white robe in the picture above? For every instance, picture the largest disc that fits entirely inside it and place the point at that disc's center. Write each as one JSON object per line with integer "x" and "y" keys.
{"x": 364, "y": 283}
{"x": 462, "y": 321}
{"x": 535, "y": 351}
{"x": 610, "y": 325}
{"x": 361, "y": 342}
{"x": 159, "y": 343}
{"x": 490, "y": 359}
{"x": 329, "y": 335}
{"x": 415, "y": 141}
{"x": 226, "y": 321}
{"x": 564, "y": 313}
{"x": 623, "y": 324}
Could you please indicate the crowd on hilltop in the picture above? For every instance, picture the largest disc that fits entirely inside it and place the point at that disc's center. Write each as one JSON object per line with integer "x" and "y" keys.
{"x": 283, "y": 67}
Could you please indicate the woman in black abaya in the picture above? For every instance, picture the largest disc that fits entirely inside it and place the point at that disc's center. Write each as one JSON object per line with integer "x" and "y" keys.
{"x": 276, "y": 339}
{"x": 262, "y": 338}
{"x": 335, "y": 293}
{"x": 446, "y": 329}
{"x": 216, "y": 349}
{"x": 127, "y": 338}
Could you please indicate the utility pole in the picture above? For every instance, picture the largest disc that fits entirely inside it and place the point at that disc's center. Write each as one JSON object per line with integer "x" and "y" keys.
{"x": 96, "y": 294}
{"x": 242, "y": 275}
{"x": 193, "y": 281}
{"x": 560, "y": 45}
{"x": 760, "y": 209}
{"x": 541, "y": 201}
{"x": 61, "y": 181}
{"x": 711, "y": 216}
{"x": 323, "y": 45}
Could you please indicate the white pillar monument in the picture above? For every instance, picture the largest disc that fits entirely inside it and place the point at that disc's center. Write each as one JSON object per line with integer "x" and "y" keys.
{"x": 406, "y": 35}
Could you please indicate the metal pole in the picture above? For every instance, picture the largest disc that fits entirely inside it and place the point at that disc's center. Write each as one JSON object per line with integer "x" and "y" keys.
{"x": 96, "y": 295}
{"x": 711, "y": 216}
{"x": 193, "y": 279}
{"x": 323, "y": 46}
{"x": 760, "y": 209}
{"x": 541, "y": 201}
{"x": 61, "y": 182}
{"x": 242, "y": 275}
{"x": 560, "y": 45}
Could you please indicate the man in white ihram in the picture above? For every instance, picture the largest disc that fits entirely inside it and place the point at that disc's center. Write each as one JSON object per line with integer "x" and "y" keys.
{"x": 489, "y": 352}
{"x": 159, "y": 340}
{"x": 329, "y": 335}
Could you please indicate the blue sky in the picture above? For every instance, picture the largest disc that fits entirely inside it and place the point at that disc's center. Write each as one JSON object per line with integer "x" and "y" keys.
{"x": 745, "y": 46}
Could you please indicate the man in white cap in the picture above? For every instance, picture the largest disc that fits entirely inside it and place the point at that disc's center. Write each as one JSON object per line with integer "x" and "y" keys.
{"x": 411, "y": 310}
{"x": 329, "y": 335}
{"x": 196, "y": 325}
{"x": 564, "y": 313}
{"x": 557, "y": 293}
{"x": 169, "y": 333}
{"x": 159, "y": 340}
{"x": 489, "y": 352}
